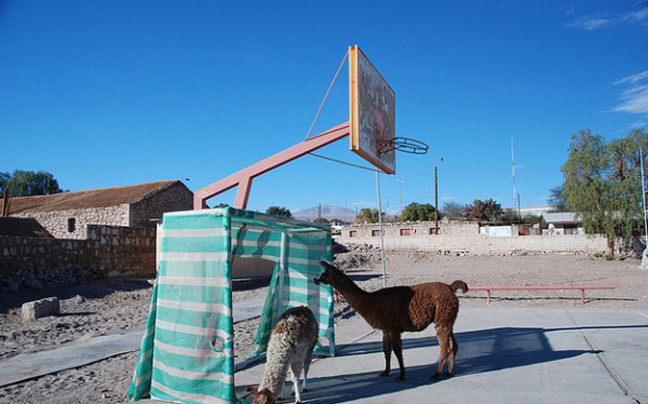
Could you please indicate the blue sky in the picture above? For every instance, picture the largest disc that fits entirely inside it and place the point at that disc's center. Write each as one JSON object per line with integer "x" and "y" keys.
{"x": 111, "y": 93}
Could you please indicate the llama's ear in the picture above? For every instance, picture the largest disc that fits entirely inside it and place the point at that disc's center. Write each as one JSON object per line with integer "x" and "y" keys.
{"x": 326, "y": 265}
{"x": 253, "y": 389}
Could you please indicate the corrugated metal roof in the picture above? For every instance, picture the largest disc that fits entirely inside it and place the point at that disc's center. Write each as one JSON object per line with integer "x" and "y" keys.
{"x": 561, "y": 217}
{"x": 97, "y": 198}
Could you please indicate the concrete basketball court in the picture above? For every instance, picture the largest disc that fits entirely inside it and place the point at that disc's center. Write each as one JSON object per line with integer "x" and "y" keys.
{"x": 506, "y": 355}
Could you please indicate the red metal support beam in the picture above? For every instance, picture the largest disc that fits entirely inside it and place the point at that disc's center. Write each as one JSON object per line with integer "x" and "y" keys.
{"x": 243, "y": 178}
{"x": 581, "y": 288}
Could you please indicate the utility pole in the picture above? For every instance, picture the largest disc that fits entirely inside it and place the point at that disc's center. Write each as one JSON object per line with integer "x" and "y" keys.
{"x": 6, "y": 200}
{"x": 515, "y": 195}
{"x": 436, "y": 202}
{"x": 643, "y": 192}
{"x": 346, "y": 211}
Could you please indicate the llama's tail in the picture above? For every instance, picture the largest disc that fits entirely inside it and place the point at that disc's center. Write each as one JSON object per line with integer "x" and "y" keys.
{"x": 454, "y": 286}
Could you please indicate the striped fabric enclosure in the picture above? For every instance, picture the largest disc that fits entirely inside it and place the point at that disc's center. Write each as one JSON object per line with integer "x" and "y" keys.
{"x": 187, "y": 348}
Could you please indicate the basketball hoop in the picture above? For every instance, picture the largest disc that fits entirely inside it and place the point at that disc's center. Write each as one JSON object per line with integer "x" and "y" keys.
{"x": 404, "y": 144}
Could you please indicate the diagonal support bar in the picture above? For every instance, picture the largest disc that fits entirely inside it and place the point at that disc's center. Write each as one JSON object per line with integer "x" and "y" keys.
{"x": 243, "y": 178}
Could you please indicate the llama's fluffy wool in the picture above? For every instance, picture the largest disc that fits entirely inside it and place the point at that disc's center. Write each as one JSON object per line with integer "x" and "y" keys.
{"x": 407, "y": 308}
{"x": 290, "y": 348}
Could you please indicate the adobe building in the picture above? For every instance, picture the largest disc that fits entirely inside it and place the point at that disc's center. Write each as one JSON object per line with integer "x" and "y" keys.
{"x": 67, "y": 214}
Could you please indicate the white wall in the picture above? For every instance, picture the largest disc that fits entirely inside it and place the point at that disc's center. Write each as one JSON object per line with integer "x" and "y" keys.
{"x": 483, "y": 244}
{"x": 496, "y": 231}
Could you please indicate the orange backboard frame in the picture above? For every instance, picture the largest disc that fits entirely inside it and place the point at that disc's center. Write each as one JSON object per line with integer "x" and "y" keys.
{"x": 372, "y": 104}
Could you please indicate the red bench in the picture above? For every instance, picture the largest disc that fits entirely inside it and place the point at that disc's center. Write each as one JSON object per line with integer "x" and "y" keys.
{"x": 582, "y": 288}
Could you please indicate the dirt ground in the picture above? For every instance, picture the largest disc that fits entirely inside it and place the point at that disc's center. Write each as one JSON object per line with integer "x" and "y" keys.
{"x": 115, "y": 306}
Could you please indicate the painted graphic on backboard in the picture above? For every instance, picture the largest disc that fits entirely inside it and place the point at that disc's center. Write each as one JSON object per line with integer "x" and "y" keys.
{"x": 372, "y": 112}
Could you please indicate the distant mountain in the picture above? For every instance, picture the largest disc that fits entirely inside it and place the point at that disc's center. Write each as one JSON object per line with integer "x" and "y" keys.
{"x": 328, "y": 212}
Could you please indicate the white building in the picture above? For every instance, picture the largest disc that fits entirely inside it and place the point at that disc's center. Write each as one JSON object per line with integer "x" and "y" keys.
{"x": 561, "y": 223}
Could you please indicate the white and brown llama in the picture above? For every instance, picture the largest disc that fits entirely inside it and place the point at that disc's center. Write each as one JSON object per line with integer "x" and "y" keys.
{"x": 290, "y": 349}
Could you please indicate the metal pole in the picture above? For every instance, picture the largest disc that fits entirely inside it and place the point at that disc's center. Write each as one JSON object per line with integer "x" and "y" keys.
{"x": 643, "y": 192}
{"x": 380, "y": 226}
{"x": 436, "y": 202}
{"x": 282, "y": 273}
{"x": 513, "y": 175}
{"x": 346, "y": 211}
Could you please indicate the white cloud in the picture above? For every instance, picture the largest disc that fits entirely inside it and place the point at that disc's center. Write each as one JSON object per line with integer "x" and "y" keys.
{"x": 633, "y": 79}
{"x": 569, "y": 10}
{"x": 638, "y": 125}
{"x": 635, "y": 98}
{"x": 640, "y": 16}
{"x": 590, "y": 23}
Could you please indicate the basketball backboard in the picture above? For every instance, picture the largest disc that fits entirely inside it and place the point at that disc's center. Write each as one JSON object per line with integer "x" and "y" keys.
{"x": 372, "y": 112}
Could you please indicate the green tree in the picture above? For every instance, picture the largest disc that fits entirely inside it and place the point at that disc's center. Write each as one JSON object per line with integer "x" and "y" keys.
{"x": 418, "y": 212}
{"x": 487, "y": 210}
{"x": 452, "y": 210}
{"x": 603, "y": 183}
{"x": 368, "y": 215}
{"x": 509, "y": 216}
{"x": 278, "y": 211}
{"x": 558, "y": 200}
{"x": 28, "y": 183}
{"x": 320, "y": 220}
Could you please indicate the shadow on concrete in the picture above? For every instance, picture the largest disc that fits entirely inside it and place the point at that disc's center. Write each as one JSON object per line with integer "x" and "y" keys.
{"x": 90, "y": 290}
{"x": 364, "y": 277}
{"x": 239, "y": 284}
{"x": 479, "y": 352}
{"x": 347, "y": 312}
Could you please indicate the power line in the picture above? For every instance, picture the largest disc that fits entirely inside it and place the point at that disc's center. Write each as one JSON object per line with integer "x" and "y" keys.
{"x": 345, "y": 163}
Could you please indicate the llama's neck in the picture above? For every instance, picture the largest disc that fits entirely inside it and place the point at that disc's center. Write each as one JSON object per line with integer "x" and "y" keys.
{"x": 274, "y": 378}
{"x": 351, "y": 292}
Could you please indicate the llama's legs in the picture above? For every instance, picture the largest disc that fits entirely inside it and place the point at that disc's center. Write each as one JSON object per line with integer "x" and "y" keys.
{"x": 307, "y": 363}
{"x": 454, "y": 347}
{"x": 387, "y": 349}
{"x": 443, "y": 336}
{"x": 397, "y": 345}
{"x": 295, "y": 372}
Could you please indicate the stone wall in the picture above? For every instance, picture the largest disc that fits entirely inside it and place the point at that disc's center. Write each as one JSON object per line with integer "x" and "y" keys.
{"x": 415, "y": 229}
{"x": 108, "y": 251}
{"x": 58, "y": 222}
{"x": 486, "y": 245}
{"x": 464, "y": 238}
{"x": 176, "y": 197}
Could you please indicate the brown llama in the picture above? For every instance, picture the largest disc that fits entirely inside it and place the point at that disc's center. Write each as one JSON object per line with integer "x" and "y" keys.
{"x": 403, "y": 308}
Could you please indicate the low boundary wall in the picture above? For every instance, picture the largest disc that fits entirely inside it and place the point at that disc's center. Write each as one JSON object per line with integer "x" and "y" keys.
{"x": 108, "y": 251}
{"x": 485, "y": 245}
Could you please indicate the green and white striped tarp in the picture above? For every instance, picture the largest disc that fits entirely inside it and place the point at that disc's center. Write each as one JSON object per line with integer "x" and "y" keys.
{"x": 187, "y": 349}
